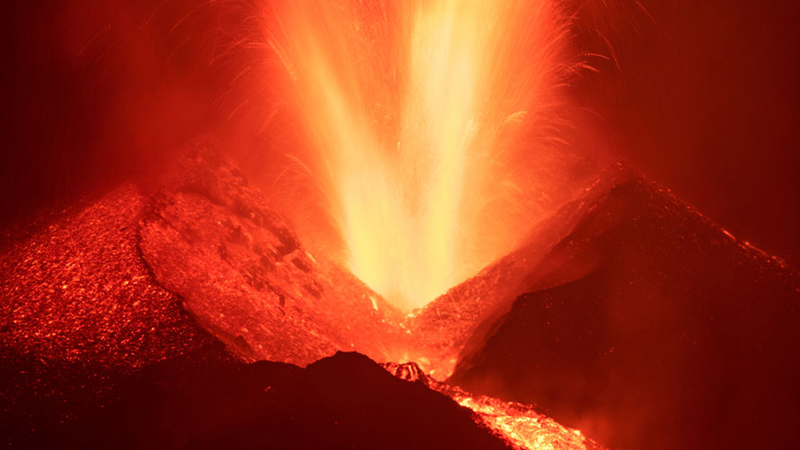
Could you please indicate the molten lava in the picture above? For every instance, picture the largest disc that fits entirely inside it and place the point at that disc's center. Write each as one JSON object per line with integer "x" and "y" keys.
{"x": 415, "y": 111}
{"x": 519, "y": 425}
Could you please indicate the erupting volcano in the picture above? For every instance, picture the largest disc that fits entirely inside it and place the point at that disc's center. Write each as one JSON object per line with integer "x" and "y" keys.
{"x": 396, "y": 224}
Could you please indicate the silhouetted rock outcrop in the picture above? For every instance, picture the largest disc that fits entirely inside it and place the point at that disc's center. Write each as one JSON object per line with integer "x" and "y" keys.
{"x": 344, "y": 401}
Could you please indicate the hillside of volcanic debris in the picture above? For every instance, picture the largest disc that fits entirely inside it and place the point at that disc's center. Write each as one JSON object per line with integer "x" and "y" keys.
{"x": 644, "y": 324}
{"x": 92, "y": 293}
{"x": 203, "y": 240}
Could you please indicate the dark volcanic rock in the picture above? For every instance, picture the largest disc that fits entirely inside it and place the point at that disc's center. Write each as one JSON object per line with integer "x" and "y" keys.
{"x": 664, "y": 332}
{"x": 345, "y": 401}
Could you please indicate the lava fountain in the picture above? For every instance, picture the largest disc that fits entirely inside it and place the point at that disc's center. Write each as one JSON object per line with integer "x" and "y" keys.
{"x": 425, "y": 118}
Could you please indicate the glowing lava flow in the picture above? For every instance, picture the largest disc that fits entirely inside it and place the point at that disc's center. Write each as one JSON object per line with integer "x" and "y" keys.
{"x": 413, "y": 108}
{"x": 516, "y": 423}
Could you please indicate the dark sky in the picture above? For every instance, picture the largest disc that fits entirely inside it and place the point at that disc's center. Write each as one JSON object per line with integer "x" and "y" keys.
{"x": 706, "y": 101}
{"x": 703, "y": 98}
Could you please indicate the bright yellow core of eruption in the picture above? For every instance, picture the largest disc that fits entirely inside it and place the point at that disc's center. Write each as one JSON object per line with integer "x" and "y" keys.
{"x": 406, "y": 103}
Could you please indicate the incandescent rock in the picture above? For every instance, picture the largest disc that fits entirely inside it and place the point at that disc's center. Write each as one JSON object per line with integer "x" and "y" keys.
{"x": 209, "y": 236}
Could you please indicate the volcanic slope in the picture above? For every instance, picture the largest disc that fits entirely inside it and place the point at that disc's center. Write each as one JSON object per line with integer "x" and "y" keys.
{"x": 644, "y": 324}
{"x": 93, "y": 293}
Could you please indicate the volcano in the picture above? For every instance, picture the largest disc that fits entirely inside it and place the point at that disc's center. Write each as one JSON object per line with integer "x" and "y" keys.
{"x": 178, "y": 312}
{"x": 176, "y": 282}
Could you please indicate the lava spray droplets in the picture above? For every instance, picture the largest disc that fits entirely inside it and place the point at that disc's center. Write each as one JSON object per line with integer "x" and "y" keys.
{"x": 424, "y": 116}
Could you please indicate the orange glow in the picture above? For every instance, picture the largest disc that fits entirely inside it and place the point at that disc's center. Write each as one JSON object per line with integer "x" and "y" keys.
{"x": 519, "y": 424}
{"x": 415, "y": 110}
